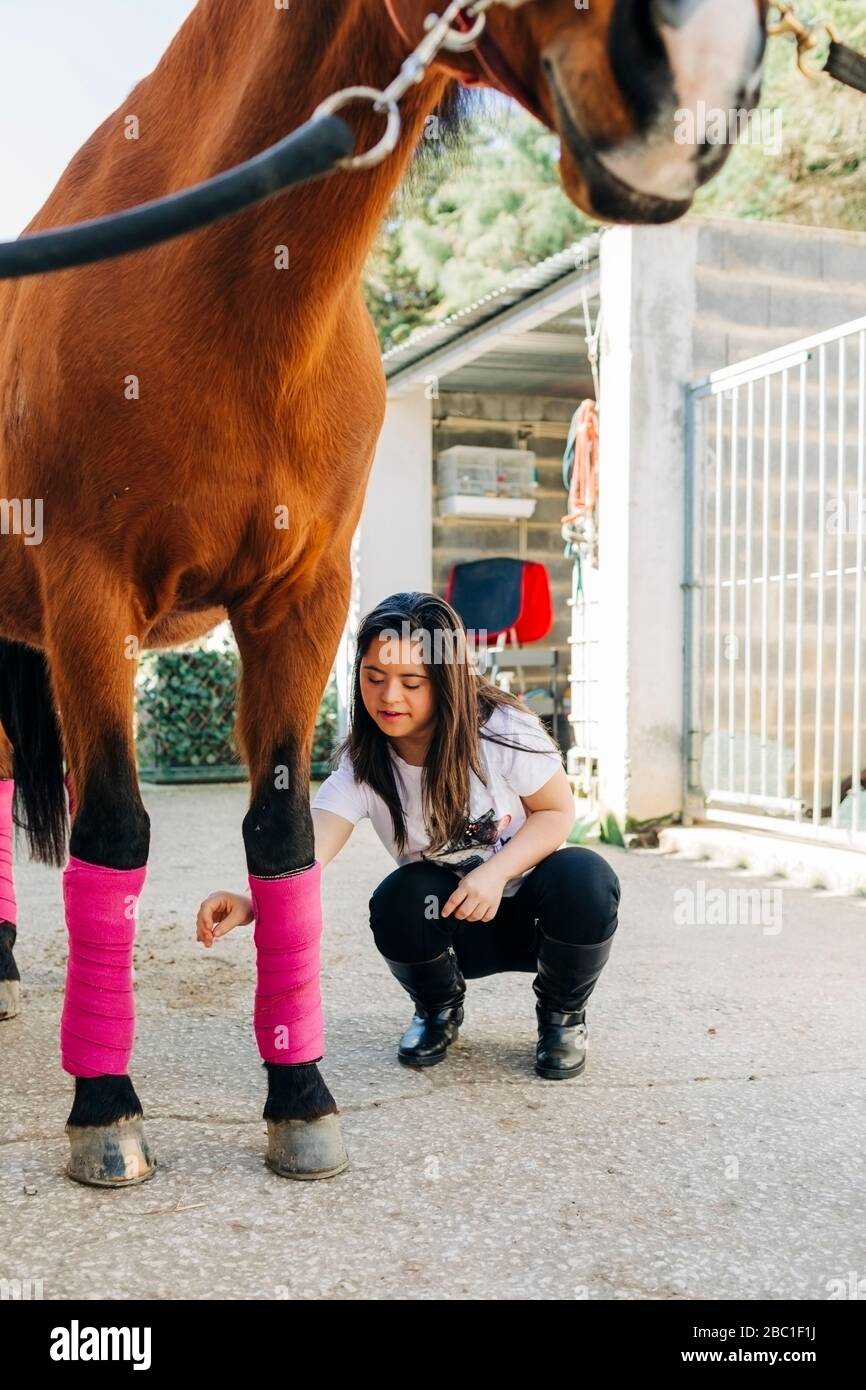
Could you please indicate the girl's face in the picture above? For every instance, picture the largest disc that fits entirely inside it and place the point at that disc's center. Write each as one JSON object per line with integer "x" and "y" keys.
{"x": 397, "y": 692}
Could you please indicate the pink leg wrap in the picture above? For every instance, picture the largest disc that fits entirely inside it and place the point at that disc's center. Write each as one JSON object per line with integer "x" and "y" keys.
{"x": 98, "y": 1024}
{"x": 288, "y": 931}
{"x": 8, "y": 905}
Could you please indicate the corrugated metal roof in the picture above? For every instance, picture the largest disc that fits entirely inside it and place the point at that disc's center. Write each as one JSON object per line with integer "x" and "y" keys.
{"x": 523, "y": 284}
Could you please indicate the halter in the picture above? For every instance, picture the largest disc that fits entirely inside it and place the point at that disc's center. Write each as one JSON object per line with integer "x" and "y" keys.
{"x": 489, "y": 57}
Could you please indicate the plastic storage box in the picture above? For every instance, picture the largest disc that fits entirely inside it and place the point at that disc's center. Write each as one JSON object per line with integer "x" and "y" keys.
{"x": 476, "y": 472}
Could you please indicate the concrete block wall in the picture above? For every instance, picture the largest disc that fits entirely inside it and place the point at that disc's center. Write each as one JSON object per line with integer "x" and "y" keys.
{"x": 500, "y": 421}
{"x": 760, "y": 285}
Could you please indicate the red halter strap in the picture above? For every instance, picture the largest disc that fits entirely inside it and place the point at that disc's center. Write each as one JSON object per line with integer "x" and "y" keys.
{"x": 391, "y": 10}
{"x": 497, "y": 68}
{"x": 492, "y": 62}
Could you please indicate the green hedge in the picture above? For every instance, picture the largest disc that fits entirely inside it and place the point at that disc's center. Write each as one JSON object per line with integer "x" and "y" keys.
{"x": 186, "y": 703}
{"x": 326, "y": 736}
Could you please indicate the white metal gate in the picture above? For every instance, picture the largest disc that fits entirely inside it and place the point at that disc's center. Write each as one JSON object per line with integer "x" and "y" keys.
{"x": 775, "y": 525}
{"x": 584, "y": 677}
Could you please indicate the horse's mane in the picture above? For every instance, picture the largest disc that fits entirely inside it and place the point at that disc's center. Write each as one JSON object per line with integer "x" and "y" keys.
{"x": 457, "y": 109}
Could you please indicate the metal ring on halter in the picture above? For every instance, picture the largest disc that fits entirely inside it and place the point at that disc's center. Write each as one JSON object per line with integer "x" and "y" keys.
{"x": 456, "y": 41}
{"x": 387, "y": 145}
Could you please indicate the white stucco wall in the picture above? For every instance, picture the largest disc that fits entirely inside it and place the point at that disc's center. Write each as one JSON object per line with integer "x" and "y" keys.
{"x": 394, "y": 542}
{"x": 648, "y": 299}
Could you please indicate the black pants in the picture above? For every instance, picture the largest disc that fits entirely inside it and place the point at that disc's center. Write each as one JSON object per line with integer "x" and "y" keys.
{"x": 571, "y": 896}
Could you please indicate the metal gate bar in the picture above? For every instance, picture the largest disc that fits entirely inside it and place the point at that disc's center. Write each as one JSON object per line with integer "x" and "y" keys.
{"x": 774, "y": 577}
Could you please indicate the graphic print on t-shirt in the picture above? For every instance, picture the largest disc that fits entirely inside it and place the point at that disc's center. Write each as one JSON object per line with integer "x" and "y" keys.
{"x": 514, "y": 769}
{"x": 484, "y": 831}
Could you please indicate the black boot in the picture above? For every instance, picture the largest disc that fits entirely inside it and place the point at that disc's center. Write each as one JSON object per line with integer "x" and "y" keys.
{"x": 566, "y": 978}
{"x": 9, "y": 977}
{"x": 437, "y": 988}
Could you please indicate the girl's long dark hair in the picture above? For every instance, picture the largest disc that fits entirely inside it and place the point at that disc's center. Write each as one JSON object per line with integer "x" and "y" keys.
{"x": 464, "y": 701}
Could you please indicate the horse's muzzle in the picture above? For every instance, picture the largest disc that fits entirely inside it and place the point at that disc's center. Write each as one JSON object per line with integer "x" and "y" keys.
{"x": 683, "y": 68}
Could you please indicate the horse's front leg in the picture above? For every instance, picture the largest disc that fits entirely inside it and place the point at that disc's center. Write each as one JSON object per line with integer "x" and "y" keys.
{"x": 92, "y": 663}
{"x": 286, "y": 664}
{"x": 9, "y": 977}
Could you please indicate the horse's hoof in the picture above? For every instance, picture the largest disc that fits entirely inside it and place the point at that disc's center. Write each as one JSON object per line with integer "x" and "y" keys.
{"x": 114, "y": 1155}
{"x": 306, "y": 1149}
{"x": 9, "y": 996}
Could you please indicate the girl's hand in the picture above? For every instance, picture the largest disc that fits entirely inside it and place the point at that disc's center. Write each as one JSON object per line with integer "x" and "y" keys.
{"x": 220, "y": 913}
{"x": 478, "y": 894}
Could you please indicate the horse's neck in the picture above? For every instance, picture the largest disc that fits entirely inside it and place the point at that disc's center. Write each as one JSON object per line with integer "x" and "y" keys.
{"x": 254, "y": 78}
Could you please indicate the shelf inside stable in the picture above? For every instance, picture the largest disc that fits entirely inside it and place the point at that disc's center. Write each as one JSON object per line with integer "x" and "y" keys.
{"x": 503, "y": 508}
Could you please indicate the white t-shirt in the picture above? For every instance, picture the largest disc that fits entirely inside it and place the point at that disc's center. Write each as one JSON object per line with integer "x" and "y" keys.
{"x": 496, "y": 811}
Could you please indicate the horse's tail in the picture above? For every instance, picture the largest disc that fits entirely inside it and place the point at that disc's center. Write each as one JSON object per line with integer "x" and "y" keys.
{"x": 30, "y": 722}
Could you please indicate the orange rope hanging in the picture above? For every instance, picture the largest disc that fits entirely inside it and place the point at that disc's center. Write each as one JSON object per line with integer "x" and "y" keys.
{"x": 583, "y": 488}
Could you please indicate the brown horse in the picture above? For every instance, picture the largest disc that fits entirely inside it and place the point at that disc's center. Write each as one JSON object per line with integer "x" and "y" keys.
{"x": 166, "y": 407}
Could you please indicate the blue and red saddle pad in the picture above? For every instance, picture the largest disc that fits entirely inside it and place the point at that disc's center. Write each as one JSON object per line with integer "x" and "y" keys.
{"x": 503, "y": 596}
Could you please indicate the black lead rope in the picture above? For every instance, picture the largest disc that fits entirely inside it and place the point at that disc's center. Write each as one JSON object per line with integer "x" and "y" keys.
{"x": 847, "y": 66}
{"x": 311, "y": 152}
{"x": 308, "y": 153}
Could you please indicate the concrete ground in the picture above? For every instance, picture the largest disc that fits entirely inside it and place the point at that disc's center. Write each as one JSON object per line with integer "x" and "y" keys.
{"x": 714, "y": 1149}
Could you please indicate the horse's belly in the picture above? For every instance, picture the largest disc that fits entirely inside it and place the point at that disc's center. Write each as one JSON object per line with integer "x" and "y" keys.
{"x": 178, "y": 627}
